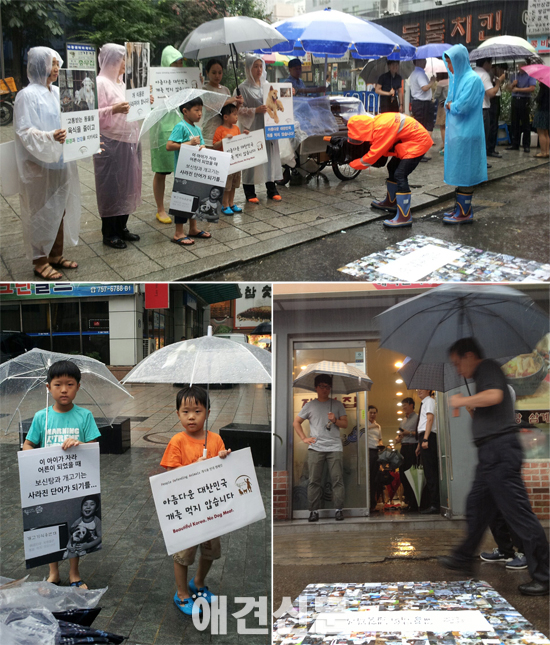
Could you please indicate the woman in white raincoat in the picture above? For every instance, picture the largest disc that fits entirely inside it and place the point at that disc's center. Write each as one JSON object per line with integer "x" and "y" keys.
{"x": 49, "y": 190}
{"x": 118, "y": 167}
{"x": 251, "y": 117}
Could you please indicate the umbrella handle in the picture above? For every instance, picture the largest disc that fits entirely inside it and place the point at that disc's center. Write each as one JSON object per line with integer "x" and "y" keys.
{"x": 205, "y": 453}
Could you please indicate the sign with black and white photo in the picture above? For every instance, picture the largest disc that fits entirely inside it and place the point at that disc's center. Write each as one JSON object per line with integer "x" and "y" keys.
{"x": 168, "y": 80}
{"x": 199, "y": 183}
{"x": 247, "y": 150}
{"x": 279, "y": 118}
{"x": 61, "y": 503}
{"x": 79, "y": 113}
{"x": 82, "y": 57}
{"x": 137, "y": 80}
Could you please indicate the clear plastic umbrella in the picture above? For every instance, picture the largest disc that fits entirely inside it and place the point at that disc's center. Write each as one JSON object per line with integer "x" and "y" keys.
{"x": 23, "y": 387}
{"x": 204, "y": 360}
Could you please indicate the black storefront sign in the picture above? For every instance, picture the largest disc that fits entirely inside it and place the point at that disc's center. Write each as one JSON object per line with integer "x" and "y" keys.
{"x": 469, "y": 23}
{"x": 532, "y": 417}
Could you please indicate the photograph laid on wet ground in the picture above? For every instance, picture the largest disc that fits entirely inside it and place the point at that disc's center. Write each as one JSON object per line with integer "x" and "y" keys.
{"x": 136, "y": 462}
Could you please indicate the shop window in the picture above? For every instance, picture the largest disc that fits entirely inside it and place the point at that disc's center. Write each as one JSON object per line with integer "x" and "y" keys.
{"x": 96, "y": 346}
{"x": 36, "y": 323}
{"x": 65, "y": 317}
{"x": 65, "y": 344}
{"x": 94, "y": 316}
{"x": 11, "y": 318}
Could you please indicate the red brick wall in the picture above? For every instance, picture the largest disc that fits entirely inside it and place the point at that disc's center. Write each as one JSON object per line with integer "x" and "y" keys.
{"x": 536, "y": 475}
{"x": 281, "y": 497}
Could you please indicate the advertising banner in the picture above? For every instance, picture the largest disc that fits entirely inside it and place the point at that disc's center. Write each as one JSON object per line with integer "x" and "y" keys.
{"x": 279, "y": 118}
{"x": 137, "y": 80}
{"x": 247, "y": 150}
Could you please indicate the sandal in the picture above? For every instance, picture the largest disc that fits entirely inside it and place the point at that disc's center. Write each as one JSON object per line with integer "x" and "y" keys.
{"x": 182, "y": 241}
{"x": 78, "y": 583}
{"x": 62, "y": 263}
{"x": 48, "y": 273}
{"x": 203, "y": 235}
{"x": 539, "y": 156}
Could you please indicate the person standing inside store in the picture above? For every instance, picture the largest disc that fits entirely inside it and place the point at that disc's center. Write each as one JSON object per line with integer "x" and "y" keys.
{"x": 407, "y": 439}
{"x": 498, "y": 486}
{"x": 374, "y": 439}
{"x": 326, "y": 416}
{"x": 522, "y": 86}
{"x": 421, "y": 96}
{"x": 427, "y": 448}
{"x": 390, "y": 89}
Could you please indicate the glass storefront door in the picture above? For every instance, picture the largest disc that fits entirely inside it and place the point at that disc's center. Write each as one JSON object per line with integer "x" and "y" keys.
{"x": 353, "y": 437}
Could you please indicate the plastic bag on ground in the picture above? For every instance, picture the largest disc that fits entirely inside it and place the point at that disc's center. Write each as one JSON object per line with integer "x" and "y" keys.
{"x": 24, "y": 626}
{"x": 48, "y": 596}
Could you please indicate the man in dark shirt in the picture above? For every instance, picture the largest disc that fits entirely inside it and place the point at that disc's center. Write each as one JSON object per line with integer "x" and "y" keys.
{"x": 497, "y": 484}
{"x": 390, "y": 90}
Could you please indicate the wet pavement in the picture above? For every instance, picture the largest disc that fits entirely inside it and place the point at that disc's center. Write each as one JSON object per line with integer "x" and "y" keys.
{"x": 133, "y": 563}
{"x": 309, "y": 211}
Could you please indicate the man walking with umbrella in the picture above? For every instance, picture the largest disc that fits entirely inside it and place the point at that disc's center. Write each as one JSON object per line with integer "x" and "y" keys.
{"x": 498, "y": 485}
{"x": 326, "y": 416}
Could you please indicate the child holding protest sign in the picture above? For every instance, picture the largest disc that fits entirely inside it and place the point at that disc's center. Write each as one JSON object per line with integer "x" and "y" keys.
{"x": 187, "y": 133}
{"x": 193, "y": 407}
{"x": 62, "y": 424}
{"x": 228, "y": 130}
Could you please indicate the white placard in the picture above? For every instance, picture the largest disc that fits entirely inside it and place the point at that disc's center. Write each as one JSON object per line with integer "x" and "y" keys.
{"x": 167, "y": 80}
{"x": 538, "y": 17}
{"x": 199, "y": 180}
{"x": 420, "y": 263}
{"x": 207, "y": 499}
{"x": 137, "y": 80}
{"x": 81, "y": 57}
{"x": 39, "y": 542}
{"x": 279, "y": 118}
{"x": 401, "y": 621}
{"x": 247, "y": 150}
{"x": 8, "y": 169}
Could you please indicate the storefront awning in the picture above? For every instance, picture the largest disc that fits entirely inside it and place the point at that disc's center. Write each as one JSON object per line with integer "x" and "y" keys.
{"x": 212, "y": 293}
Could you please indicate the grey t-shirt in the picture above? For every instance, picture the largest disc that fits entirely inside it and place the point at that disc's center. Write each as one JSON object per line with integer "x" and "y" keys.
{"x": 495, "y": 419}
{"x": 409, "y": 425}
{"x": 316, "y": 412}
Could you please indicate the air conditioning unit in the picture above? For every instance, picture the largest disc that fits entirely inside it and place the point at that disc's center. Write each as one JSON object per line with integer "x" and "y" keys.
{"x": 148, "y": 346}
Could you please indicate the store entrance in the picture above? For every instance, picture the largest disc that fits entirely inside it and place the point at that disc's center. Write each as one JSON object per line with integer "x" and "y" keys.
{"x": 353, "y": 437}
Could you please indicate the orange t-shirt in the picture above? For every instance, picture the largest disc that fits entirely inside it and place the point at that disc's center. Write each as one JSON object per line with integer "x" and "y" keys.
{"x": 222, "y": 131}
{"x": 184, "y": 450}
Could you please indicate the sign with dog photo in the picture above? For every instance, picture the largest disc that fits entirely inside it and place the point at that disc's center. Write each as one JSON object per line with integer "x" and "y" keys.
{"x": 79, "y": 113}
{"x": 207, "y": 499}
{"x": 61, "y": 503}
{"x": 199, "y": 183}
{"x": 279, "y": 118}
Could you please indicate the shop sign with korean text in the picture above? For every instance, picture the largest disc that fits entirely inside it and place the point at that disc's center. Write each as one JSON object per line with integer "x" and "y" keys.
{"x": 55, "y": 484}
{"x": 279, "y": 118}
{"x": 137, "y": 80}
{"x": 207, "y": 499}
{"x": 168, "y": 80}
{"x": 79, "y": 113}
{"x": 82, "y": 57}
{"x": 247, "y": 150}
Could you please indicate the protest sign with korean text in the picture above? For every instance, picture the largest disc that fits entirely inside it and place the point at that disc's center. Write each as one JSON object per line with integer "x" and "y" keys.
{"x": 137, "y": 80}
{"x": 199, "y": 183}
{"x": 279, "y": 118}
{"x": 247, "y": 150}
{"x": 168, "y": 80}
{"x": 79, "y": 113}
{"x": 81, "y": 57}
{"x": 207, "y": 499}
{"x": 61, "y": 502}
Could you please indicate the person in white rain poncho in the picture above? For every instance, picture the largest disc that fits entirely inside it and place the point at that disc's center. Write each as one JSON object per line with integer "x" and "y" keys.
{"x": 49, "y": 189}
{"x": 118, "y": 167}
{"x": 251, "y": 117}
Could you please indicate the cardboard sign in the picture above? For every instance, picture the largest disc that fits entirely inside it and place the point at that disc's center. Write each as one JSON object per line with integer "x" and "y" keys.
{"x": 137, "y": 80}
{"x": 81, "y": 57}
{"x": 199, "y": 183}
{"x": 168, "y": 80}
{"x": 247, "y": 150}
{"x": 279, "y": 118}
{"x": 207, "y": 499}
{"x": 61, "y": 502}
{"x": 79, "y": 113}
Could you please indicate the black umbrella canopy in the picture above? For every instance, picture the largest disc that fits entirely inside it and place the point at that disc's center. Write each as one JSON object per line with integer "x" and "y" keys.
{"x": 504, "y": 321}
{"x": 262, "y": 328}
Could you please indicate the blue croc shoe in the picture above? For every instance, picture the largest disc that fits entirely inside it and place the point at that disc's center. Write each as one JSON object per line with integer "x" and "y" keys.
{"x": 227, "y": 211}
{"x": 202, "y": 592}
{"x": 186, "y": 606}
{"x": 236, "y": 209}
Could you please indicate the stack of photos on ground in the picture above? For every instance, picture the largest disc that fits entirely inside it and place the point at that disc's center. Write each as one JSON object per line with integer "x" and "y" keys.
{"x": 298, "y": 626}
{"x": 449, "y": 262}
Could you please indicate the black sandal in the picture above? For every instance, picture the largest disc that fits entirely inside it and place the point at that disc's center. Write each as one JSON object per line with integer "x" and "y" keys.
{"x": 62, "y": 263}
{"x": 181, "y": 241}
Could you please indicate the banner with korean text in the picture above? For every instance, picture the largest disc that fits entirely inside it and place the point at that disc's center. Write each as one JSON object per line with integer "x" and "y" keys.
{"x": 247, "y": 150}
{"x": 207, "y": 499}
{"x": 79, "y": 113}
{"x": 61, "y": 502}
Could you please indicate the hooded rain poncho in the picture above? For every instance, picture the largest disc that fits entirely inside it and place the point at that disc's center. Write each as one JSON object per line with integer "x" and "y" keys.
{"x": 253, "y": 95}
{"x": 465, "y": 154}
{"x": 161, "y": 159}
{"x": 48, "y": 187}
{"x": 118, "y": 167}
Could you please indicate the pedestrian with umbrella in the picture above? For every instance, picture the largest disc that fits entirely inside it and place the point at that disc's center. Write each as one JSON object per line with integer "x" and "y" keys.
{"x": 326, "y": 416}
{"x": 522, "y": 87}
{"x": 541, "y": 119}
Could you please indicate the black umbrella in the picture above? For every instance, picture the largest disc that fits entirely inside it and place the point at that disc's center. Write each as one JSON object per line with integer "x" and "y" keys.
{"x": 262, "y": 328}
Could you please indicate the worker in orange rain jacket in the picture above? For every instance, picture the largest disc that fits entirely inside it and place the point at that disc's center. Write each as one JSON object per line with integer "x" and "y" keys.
{"x": 406, "y": 141}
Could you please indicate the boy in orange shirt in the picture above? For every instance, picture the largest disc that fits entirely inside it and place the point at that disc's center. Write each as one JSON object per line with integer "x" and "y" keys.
{"x": 193, "y": 407}
{"x": 228, "y": 130}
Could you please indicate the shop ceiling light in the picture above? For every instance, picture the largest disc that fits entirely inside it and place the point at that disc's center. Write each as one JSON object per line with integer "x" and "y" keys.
{"x": 399, "y": 381}
{"x": 399, "y": 404}
{"x": 399, "y": 364}
{"x": 399, "y": 394}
